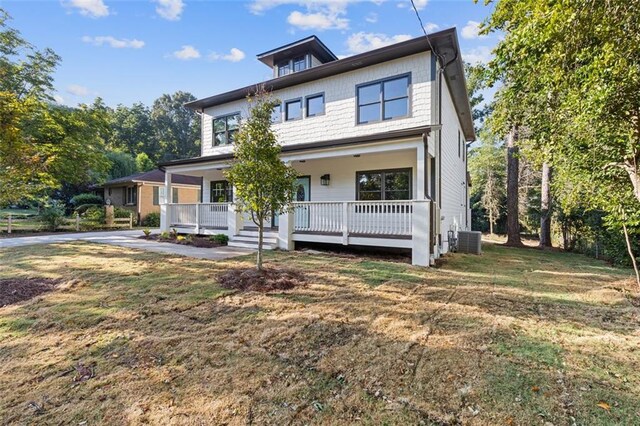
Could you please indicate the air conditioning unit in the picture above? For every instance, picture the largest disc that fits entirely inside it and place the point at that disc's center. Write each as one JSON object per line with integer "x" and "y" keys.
{"x": 470, "y": 242}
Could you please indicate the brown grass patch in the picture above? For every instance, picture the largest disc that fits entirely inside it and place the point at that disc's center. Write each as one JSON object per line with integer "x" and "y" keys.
{"x": 14, "y": 290}
{"x": 268, "y": 279}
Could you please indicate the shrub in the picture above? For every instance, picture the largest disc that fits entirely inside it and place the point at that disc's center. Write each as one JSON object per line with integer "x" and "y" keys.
{"x": 181, "y": 238}
{"x": 120, "y": 213}
{"x": 86, "y": 198}
{"x": 95, "y": 215}
{"x": 164, "y": 235}
{"x": 152, "y": 220}
{"x": 146, "y": 232}
{"x": 52, "y": 215}
{"x": 220, "y": 238}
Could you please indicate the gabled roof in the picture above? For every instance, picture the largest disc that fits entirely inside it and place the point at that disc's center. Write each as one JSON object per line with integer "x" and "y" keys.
{"x": 445, "y": 43}
{"x": 155, "y": 176}
{"x": 306, "y": 45}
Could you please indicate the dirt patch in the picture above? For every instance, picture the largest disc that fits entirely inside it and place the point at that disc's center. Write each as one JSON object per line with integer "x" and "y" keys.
{"x": 14, "y": 290}
{"x": 194, "y": 241}
{"x": 269, "y": 279}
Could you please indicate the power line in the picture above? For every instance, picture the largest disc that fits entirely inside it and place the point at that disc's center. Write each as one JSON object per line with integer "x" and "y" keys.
{"x": 415, "y": 9}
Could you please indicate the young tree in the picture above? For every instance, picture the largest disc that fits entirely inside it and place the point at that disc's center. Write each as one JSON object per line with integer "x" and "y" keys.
{"x": 263, "y": 184}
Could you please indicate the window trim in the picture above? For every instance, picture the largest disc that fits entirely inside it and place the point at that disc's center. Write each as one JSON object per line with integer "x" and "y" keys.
{"x": 286, "y": 110}
{"x": 228, "y": 190}
{"x": 382, "y": 184}
{"x": 313, "y": 96}
{"x": 381, "y": 99}
{"x": 226, "y": 130}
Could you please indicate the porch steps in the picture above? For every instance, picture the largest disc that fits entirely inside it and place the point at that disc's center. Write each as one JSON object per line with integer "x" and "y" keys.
{"x": 249, "y": 239}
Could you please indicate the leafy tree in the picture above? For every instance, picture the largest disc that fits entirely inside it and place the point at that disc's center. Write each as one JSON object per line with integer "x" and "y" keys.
{"x": 144, "y": 163}
{"x": 488, "y": 172}
{"x": 133, "y": 131}
{"x": 121, "y": 165}
{"x": 263, "y": 184}
{"x": 177, "y": 129}
{"x": 572, "y": 77}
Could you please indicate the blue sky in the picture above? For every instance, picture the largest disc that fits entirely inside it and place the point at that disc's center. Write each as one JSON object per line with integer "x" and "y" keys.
{"x": 130, "y": 51}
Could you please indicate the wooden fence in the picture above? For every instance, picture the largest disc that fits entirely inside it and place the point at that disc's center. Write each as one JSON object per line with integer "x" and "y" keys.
{"x": 13, "y": 223}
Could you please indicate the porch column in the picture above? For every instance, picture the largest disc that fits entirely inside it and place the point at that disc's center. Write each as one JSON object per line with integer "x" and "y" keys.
{"x": 165, "y": 211}
{"x": 421, "y": 176}
{"x": 420, "y": 233}
{"x": 285, "y": 231}
{"x": 234, "y": 221}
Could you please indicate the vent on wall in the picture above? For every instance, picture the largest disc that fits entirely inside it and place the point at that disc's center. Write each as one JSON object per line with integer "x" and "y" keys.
{"x": 470, "y": 242}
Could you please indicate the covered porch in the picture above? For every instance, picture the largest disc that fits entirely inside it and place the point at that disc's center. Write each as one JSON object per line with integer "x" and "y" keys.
{"x": 366, "y": 195}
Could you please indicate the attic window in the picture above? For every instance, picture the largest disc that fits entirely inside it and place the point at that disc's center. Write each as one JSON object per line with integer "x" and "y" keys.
{"x": 284, "y": 68}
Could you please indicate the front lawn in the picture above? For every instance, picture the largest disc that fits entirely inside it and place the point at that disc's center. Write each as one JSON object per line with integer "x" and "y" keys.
{"x": 513, "y": 337}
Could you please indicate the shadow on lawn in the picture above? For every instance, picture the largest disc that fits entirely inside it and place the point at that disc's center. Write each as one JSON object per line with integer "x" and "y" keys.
{"x": 364, "y": 341}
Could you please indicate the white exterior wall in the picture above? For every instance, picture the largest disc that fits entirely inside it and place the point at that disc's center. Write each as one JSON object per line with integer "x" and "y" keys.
{"x": 453, "y": 173}
{"x": 339, "y": 120}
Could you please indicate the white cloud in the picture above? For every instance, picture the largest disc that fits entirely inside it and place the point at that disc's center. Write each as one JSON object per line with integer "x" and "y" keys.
{"x": 371, "y": 18}
{"x": 92, "y": 8}
{"x": 420, "y": 4}
{"x": 186, "y": 53}
{"x": 234, "y": 55}
{"x": 77, "y": 90}
{"x": 430, "y": 27}
{"x": 477, "y": 55}
{"x": 328, "y": 20}
{"x": 59, "y": 99}
{"x": 471, "y": 30}
{"x": 116, "y": 43}
{"x": 170, "y": 9}
{"x": 363, "y": 42}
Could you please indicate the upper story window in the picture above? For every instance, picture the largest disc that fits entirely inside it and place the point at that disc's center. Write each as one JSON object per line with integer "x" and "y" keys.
{"x": 284, "y": 68}
{"x": 299, "y": 64}
{"x": 383, "y": 100}
{"x": 293, "y": 110}
{"x": 315, "y": 105}
{"x": 225, "y": 129}
{"x": 276, "y": 114}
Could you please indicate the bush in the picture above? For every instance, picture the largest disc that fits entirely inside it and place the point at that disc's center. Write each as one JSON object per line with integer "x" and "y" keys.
{"x": 152, "y": 220}
{"x": 119, "y": 213}
{"x": 86, "y": 199}
{"x": 219, "y": 238}
{"x": 95, "y": 214}
{"x": 52, "y": 215}
{"x": 164, "y": 235}
{"x": 146, "y": 232}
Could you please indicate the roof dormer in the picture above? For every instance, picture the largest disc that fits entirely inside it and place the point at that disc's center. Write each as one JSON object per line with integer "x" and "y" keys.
{"x": 297, "y": 56}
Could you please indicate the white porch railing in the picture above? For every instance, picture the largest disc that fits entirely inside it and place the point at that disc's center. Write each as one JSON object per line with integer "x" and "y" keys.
{"x": 198, "y": 215}
{"x": 354, "y": 217}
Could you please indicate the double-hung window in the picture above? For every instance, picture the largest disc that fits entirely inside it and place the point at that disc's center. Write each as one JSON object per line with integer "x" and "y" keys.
{"x": 156, "y": 195}
{"x": 131, "y": 195}
{"x": 315, "y": 105}
{"x": 384, "y": 185}
{"x": 299, "y": 64}
{"x": 225, "y": 129}
{"x": 284, "y": 68}
{"x": 276, "y": 114}
{"x": 221, "y": 192}
{"x": 383, "y": 100}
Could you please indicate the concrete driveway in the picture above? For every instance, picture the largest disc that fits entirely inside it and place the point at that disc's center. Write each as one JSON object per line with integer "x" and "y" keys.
{"x": 129, "y": 239}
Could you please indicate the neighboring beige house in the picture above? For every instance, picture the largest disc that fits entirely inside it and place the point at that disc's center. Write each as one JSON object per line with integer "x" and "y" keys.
{"x": 143, "y": 192}
{"x": 379, "y": 141}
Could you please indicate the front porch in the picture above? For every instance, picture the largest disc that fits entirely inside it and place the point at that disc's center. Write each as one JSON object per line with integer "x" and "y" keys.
{"x": 372, "y": 193}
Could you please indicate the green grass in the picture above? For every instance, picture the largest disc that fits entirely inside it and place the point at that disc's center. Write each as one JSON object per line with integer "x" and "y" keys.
{"x": 513, "y": 337}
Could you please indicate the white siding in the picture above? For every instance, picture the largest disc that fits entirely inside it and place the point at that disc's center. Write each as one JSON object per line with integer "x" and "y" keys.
{"x": 453, "y": 173}
{"x": 339, "y": 120}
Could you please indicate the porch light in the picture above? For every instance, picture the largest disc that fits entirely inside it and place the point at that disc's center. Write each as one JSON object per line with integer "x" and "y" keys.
{"x": 325, "y": 180}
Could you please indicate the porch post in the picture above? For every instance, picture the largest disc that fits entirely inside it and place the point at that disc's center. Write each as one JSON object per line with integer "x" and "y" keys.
{"x": 165, "y": 211}
{"x": 420, "y": 233}
{"x": 234, "y": 221}
{"x": 285, "y": 230}
{"x": 421, "y": 157}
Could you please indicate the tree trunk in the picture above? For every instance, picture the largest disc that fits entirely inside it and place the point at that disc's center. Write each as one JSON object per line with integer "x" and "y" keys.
{"x": 631, "y": 255}
{"x": 545, "y": 207}
{"x": 632, "y": 170}
{"x": 490, "y": 222}
{"x": 259, "y": 260}
{"x": 513, "y": 164}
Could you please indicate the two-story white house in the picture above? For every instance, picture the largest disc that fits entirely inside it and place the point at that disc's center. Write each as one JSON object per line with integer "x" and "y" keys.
{"x": 378, "y": 139}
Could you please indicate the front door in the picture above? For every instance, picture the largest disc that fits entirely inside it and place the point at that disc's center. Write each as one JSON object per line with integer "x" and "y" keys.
{"x": 303, "y": 193}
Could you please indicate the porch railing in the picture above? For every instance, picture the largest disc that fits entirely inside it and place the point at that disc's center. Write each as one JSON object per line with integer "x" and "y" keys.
{"x": 199, "y": 215}
{"x": 354, "y": 217}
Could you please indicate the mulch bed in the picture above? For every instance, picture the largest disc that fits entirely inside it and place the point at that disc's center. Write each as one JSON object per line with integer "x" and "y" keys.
{"x": 203, "y": 242}
{"x": 14, "y": 290}
{"x": 269, "y": 279}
